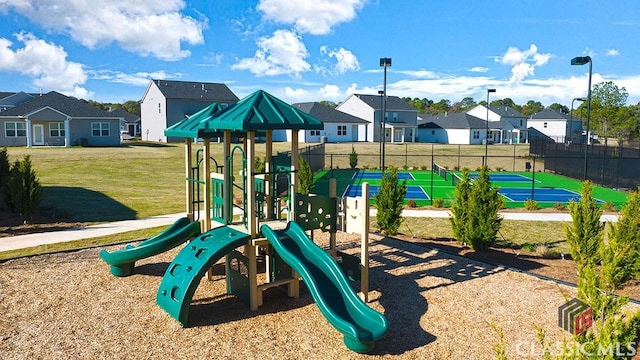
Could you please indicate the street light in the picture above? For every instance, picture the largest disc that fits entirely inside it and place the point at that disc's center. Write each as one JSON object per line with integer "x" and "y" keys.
{"x": 381, "y": 93}
{"x": 581, "y": 99}
{"x": 581, "y": 60}
{"x": 486, "y": 136}
{"x": 384, "y": 62}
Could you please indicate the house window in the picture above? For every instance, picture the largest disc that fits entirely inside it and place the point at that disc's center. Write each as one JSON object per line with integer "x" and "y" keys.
{"x": 476, "y": 134}
{"x": 520, "y": 122}
{"x": 545, "y": 124}
{"x": 56, "y": 129}
{"x": 342, "y": 130}
{"x": 159, "y": 109}
{"x": 15, "y": 129}
{"x": 314, "y": 132}
{"x": 395, "y": 117}
{"x": 433, "y": 132}
{"x": 100, "y": 129}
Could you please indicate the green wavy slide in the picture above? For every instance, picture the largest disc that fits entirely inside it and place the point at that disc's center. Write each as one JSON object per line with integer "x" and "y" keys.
{"x": 122, "y": 262}
{"x": 338, "y": 302}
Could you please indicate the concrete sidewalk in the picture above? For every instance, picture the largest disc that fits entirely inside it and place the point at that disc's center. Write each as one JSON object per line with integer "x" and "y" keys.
{"x": 36, "y": 239}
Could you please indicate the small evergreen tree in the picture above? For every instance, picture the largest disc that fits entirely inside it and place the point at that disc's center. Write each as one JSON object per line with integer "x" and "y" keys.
{"x": 620, "y": 255}
{"x": 389, "y": 201}
{"x": 353, "y": 158}
{"x": 586, "y": 232}
{"x": 483, "y": 221}
{"x": 5, "y": 166}
{"x": 258, "y": 164}
{"x": 460, "y": 206}
{"x": 23, "y": 193}
{"x": 305, "y": 177}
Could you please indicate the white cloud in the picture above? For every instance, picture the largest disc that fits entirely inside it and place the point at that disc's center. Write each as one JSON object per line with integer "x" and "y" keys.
{"x": 523, "y": 62}
{"x": 345, "y": 60}
{"x": 144, "y": 27}
{"x": 613, "y": 52}
{"x": 479, "y": 69}
{"x": 314, "y": 17}
{"x": 282, "y": 53}
{"x": 136, "y": 79}
{"x": 45, "y": 63}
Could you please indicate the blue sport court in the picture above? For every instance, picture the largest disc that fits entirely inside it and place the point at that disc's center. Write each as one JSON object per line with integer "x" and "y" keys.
{"x": 372, "y": 175}
{"x": 503, "y": 177}
{"x": 553, "y": 195}
{"x": 413, "y": 192}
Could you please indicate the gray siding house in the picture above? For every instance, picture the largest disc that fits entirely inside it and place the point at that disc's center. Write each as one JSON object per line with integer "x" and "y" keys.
{"x": 54, "y": 119}
{"x": 166, "y": 102}
{"x": 338, "y": 126}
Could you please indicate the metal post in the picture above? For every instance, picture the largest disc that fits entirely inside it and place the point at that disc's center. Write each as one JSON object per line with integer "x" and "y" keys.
{"x": 485, "y": 160}
{"x": 384, "y": 62}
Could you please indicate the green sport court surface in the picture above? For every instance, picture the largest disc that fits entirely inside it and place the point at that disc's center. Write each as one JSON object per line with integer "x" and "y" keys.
{"x": 424, "y": 185}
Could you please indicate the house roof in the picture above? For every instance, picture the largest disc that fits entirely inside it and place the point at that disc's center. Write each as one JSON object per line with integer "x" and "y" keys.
{"x": 393, "y": 103}
{"x": 127, "y": 116}
{"x": 64, "y": 104}
{"x": 258, "y": 111}
{"x": 506, "y": 111}
{"x": 452, "y": 121}
{"x": 549, "y": 114}
{"x": 328, "y": 114}
{"x": 196, "y": 91}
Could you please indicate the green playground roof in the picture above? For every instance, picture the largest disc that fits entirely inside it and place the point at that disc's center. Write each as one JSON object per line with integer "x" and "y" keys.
{"x": 257, "y": 112}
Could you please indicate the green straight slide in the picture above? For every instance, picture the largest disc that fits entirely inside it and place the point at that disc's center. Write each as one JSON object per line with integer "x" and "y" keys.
{"x": 123, "y": 261}
{"x": 338, "y": 302}
{"x": 183, "y": 275}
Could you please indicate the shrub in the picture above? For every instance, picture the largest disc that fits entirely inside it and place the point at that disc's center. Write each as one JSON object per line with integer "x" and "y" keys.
{"x": 460, "y": 207}
{"x": 560, "y": 206}
{"x": 258, "y": 164}
{"x": 353, "y": 158}
{"x": 483, "y": 220}
{"x": 531, "y": 205}
{"x": 389, "y": 201}
{"x": 411, "y": 203}
{"x": 305, "y": 177}
{"x": 23, "y": 193}
{"x": 585, "y": 233}
{"x": 438, "y": 203}
{"x": 405, "y": 167}
{"x": 456, "y": 168}
{"x": 5, "y": 166}
{"x": 608, "y": 206}
{"x": 423, "y": 167}
{"x": 620, "y": 261}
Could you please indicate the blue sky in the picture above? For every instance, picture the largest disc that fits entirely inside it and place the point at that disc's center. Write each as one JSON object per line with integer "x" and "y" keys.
{"x": 301, "y": 50}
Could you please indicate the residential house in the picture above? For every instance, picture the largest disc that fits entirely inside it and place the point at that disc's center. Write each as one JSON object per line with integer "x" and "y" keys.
{"x": 54, "y": 119}
{"x": 130, "y": 125}
{"x": 452, "y": 128}
{"x": 166, "y": 102}
{"x": 338, "y": 126}
{"x": 401, "y": 119}
{"x": 554, "y": 125}
{"x": 498, "y": 115}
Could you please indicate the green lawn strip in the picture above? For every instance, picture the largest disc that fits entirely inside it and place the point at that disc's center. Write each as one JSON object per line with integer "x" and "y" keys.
{"x": 125, "y": 237}
{"x": 529, "y": 235}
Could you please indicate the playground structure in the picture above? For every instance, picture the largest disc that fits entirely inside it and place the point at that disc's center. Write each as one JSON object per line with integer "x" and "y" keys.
{"x": 290, "y": 253}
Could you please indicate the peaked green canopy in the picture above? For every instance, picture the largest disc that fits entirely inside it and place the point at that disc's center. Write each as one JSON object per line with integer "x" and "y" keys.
{"x": 256, "y": 112}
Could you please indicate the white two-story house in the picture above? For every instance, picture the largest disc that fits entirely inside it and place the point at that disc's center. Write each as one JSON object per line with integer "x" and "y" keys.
{"x": 401, "y": 120}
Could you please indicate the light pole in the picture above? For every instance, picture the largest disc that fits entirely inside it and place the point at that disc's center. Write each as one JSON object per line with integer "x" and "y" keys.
{"x": 581, "y": 99}
{"x": 384, "y": 62}
{"x": 581, "y": 60}
{"x": 486, "y": 136}
{"x": 381, "y": 93}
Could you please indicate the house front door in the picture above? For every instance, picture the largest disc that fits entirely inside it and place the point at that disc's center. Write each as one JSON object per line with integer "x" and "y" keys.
{"x": 38, "y": 134}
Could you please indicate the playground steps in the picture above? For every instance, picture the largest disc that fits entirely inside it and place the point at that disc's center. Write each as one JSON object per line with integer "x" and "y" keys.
{"x": 183, "y": 275}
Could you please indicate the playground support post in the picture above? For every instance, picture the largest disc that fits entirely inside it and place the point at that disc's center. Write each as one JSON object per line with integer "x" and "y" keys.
{"x": 187, "y": 173}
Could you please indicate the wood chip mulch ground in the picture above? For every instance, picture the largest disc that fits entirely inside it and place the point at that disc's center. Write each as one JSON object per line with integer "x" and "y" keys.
{"x": 439, "y": 306}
